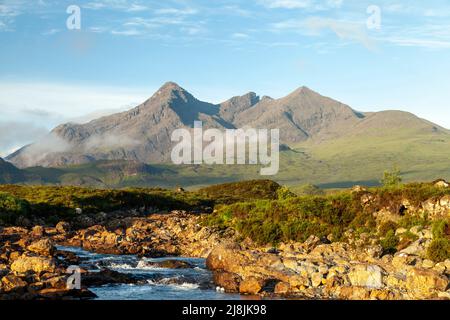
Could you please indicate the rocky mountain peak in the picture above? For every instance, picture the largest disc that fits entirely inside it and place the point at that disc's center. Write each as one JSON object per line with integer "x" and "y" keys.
{"x": 171, "y": 91}
{"x": 171, "y": 86}
{"x": 303, "y": 92}
{"x": 231, "y": 108}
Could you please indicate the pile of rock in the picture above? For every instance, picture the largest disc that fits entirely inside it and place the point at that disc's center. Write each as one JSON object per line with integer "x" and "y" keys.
{"x": 31, "y": 269}
{"x": 331, "y": 271}
{"x": 170, "y": 234}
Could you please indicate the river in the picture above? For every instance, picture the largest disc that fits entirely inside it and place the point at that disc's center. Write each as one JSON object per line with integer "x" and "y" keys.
{"x": 156, "y": 283}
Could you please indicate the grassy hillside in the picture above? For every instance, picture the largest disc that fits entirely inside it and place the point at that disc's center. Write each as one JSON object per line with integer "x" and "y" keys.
{"x": 298, "y": 217}
{"x": 55, "y": 203}
{"x": 242, "y": 191}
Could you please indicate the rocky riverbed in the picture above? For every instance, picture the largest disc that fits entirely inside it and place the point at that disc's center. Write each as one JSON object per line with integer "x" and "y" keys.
{"x": 32, "y": 267}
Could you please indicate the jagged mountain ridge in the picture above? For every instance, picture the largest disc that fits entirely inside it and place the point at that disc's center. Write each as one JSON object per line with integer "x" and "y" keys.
{"x": 143, "y": 133}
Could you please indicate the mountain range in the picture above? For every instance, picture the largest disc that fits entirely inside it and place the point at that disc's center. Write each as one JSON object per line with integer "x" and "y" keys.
{"x": 326, "y": 141}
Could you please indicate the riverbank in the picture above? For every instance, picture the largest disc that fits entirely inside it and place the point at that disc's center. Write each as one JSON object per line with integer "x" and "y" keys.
{"x": 388, "y": 246}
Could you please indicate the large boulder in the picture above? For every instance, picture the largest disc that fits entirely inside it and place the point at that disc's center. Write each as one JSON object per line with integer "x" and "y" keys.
{"x": 417, "y": 248}
{"x": 4, "y": 270}
{"x": 107, "y": 276}
{"x": 34, "y": 264}
{"x": 369, "y": 276}
{"x": 403, "y": 262}
{"x": 37, "y": 232}
{"x": 251, "y": 285}
{"x": 423, "y": 284}
{"x": 63, "y": 227}
{"x": 13, "y": 283}
{"x": 66, "y": 294}
{"x": 227, "y": 280}
{"x": 42, "y": 247}
{"x": 228, "y": 258}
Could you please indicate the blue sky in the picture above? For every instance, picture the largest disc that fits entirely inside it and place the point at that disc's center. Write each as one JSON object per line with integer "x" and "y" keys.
{"x": 126, "y": 49}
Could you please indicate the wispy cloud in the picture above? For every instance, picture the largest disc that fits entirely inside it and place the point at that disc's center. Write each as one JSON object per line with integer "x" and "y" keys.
{"x": 302, "y": 4}
{"x": 176, "y": 11}
{"x": 124, "y": 5}
{"x": 287, "y": 4}
{"x": 32, "y": 101}
{"x": 240, "y": 35}
{"x": 51, "y": 32}
{"x": 29, "y": 111}
{"x": 429, "y": 36}
{"x": 9, "y": 10}
{"x": 14, "y": 135}
{"x": 316, "y": 26}
{"x": 162, "y": 22}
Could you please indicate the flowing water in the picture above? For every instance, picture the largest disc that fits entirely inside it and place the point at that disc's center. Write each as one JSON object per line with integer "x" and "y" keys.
{"x": 155, "y": 283}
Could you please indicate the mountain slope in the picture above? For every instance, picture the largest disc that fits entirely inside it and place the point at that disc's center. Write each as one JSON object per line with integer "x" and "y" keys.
{"x": 141, "y": 134}
{"x": 302, "y": 115}
{"x": 10, "y": 174}
{"x": 329, "y": 142}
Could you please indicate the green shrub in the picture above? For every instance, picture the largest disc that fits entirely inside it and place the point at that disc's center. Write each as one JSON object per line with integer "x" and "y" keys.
{"x": 439, "y": 228}
{"x": 11, "y": 208}
{"x": 229, "y": 193}
{"x": 386, "y": 227}
{"x": 8, "y": 203}
{"x": 439, "y": 250}
{"x": 409, "y": 235}
{"x": 284, "y": 193}
{"x": 391, "y": 178}
{"x": 390, "y": 242}
{"x": 295, "y": 218}
{"x": 410, "y": 221}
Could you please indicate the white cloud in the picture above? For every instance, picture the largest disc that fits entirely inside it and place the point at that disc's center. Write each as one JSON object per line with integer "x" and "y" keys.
{"x": 424, "y": 43}
{"x": 163, "y": 18}
{"x": 51, "y": 32}
{"x": 343, "y": 29}
{"x": 8, "y": 12}
{"x": 234, "y": 10}
{"x": 315, "y": 26}
{"x": 70, "y": 100}
{"x": 239, "y": 35}
{"x": 125, "y": 5}
{"x": 129, "y": 32}
{"x": 287, "y": 4}
{"x": 111, "y": 140}
{"x": 14, "y": 135}
{"x": 137, "y": 8}
{"x": 176, "y": 11}
{"x": 302, "y": 4}
{"x": 29, "y": 111}
{"x": 430, "y": 36}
